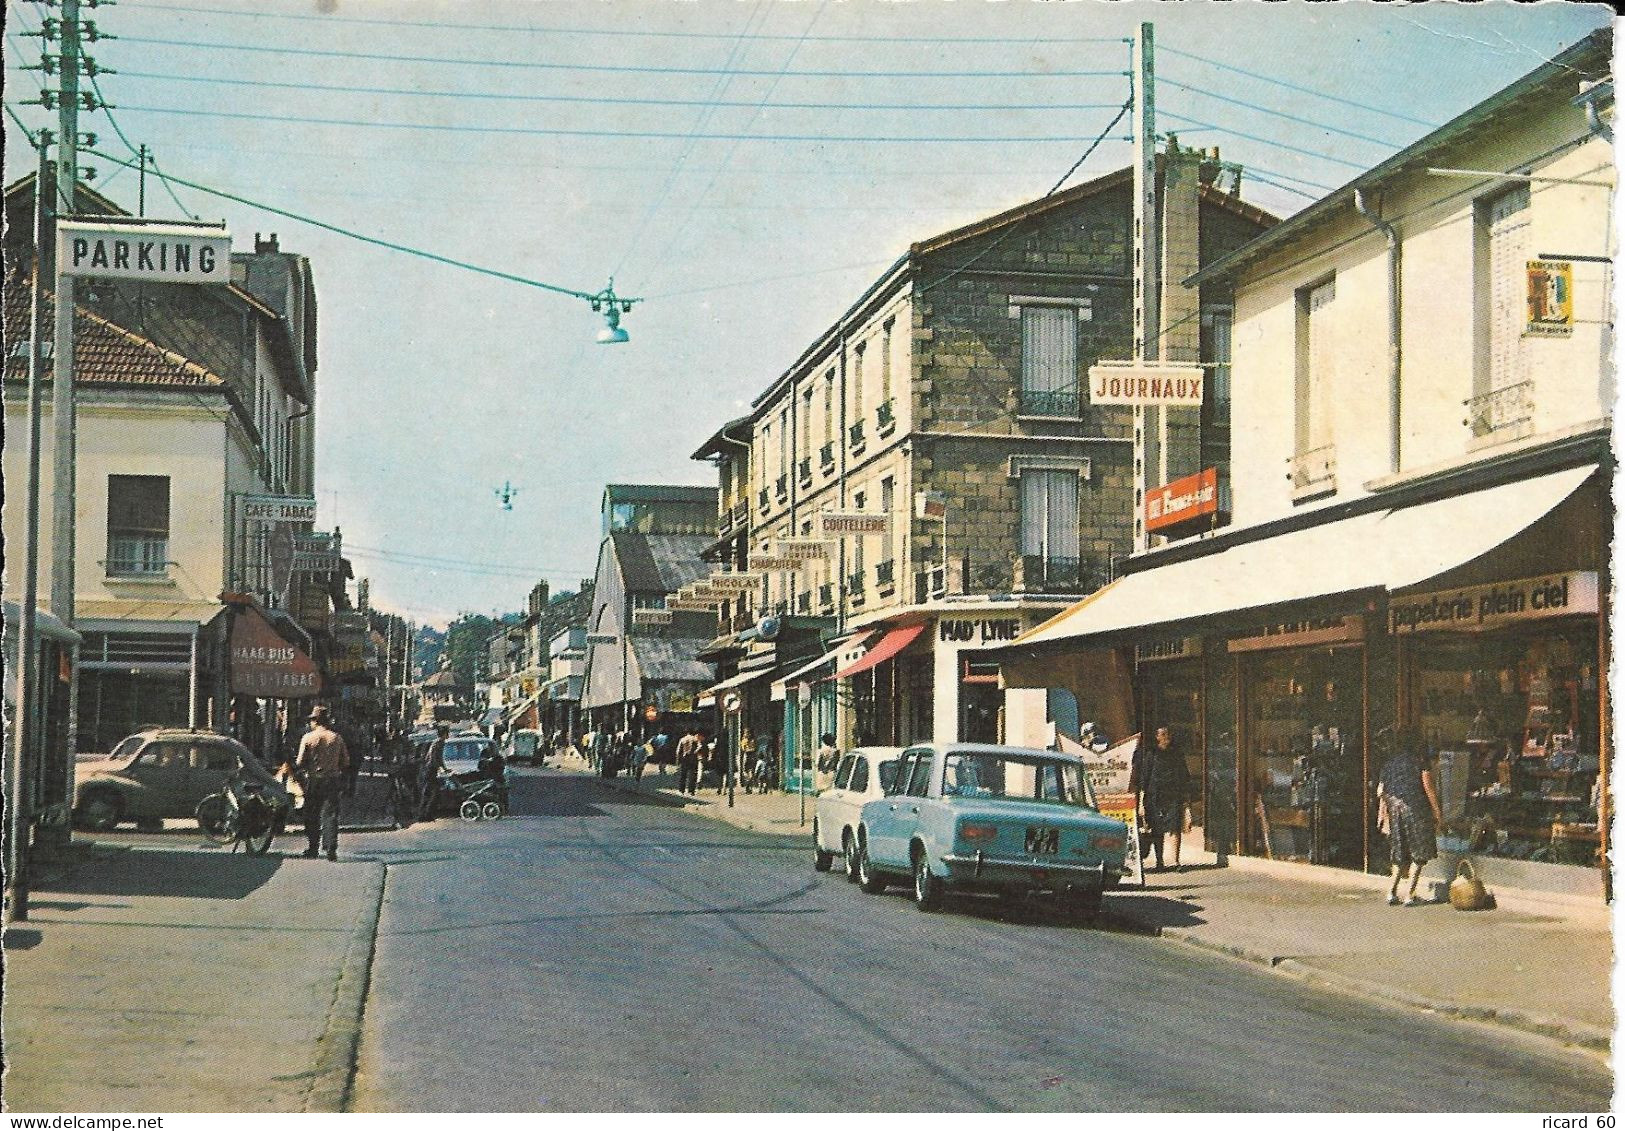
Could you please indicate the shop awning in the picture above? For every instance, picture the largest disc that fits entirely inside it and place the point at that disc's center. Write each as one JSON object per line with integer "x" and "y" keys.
{"x": 893, "y": 642}
{"x": 845, "y": 644}
{"x": 1390, "y": 549}
{"x": 709, "y": 696}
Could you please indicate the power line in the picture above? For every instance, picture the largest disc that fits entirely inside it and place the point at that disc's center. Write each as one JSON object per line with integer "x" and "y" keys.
{"x": 418, "y": 92}
{"x": 1269, "y": 141}
{"x": 1161, "y": 81}
{"x": 374, "y": 240}
{"x": 168, "y": 188}
{"x": 645, "y": 135}
{"x": 619, "y": 32}
{"x": 606, "y": 68}
{"x": 1300, "y": 89}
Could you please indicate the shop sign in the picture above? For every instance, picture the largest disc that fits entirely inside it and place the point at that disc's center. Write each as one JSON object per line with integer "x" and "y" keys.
{"x": 931, "y": 504}
{"x": 775, "y": 562}
{"x": 731, "y": 702}
{"x": 279, "y": 508}
{"x": 1550, "y": 299}
{"x": 733, "y": 582}
{"x": 602, "y": 638}
{"x": 1302, "y": 633}
{"x": 802, "y": 550}
{"x": 679, "y": 704}
{"x": 1488, "y": 606}
{"x": 681, "y": 605}
{"x": 650, "y": 618}
{"x": 315, "y": 553}
{"x": 995, "y": 630}
{"x": 1175, "y": 648}
{"x": 1184, "y": 500}
{"x": 839, "y": 524}
{"x": 1145, "y": 384}
{"x": 157, "y": 253}
{"x": 266, "y": 666}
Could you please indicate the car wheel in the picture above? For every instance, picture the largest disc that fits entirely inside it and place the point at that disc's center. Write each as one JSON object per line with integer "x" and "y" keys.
{"x": 100, "y": 810}
{"x": 927, "y": 888}
{"x": 869, "y": 880}
{"x": 822, "y": 861}
{"x": 849, "y": 850}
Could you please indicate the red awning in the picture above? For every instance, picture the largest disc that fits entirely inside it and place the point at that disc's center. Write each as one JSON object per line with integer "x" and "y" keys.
{"x": 895, "y": 640}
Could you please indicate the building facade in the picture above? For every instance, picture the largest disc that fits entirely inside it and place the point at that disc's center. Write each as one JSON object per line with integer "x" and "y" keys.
{"x": 1423, "y": 388}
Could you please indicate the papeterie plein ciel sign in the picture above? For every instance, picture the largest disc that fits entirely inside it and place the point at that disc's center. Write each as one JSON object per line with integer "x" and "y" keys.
{"x": 157, "y": 253}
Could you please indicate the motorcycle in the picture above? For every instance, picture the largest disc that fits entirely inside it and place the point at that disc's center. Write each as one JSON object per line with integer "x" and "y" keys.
{"x": 250, "y": 810}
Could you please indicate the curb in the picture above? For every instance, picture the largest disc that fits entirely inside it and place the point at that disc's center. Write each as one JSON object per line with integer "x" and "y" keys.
{"x": 333, "y": 1075}
{"x": 699, "y": 808}
{"x": 1588, "y": 1038}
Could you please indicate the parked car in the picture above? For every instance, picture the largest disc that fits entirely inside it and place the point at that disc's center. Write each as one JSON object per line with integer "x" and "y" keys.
{"x": 999, "y": 819}
{"x": 156, "y": 774}
{"x": 860, "y": 776}
{"x": 461, "y": 758}
{"x": 524, "y": 746}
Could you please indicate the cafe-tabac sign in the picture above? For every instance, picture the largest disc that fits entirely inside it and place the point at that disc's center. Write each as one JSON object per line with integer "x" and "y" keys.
{"x": 1479, "y": 607}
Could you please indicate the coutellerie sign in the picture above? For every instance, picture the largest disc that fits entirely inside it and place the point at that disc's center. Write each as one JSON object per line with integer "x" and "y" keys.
{"x": 157, "y": 253}
{"x": 1191, "y": 499}
{"x": 1487, "y": 606}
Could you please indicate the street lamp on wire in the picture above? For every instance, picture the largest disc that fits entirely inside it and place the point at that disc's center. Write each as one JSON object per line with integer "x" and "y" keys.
{"x": 611, "y": 306}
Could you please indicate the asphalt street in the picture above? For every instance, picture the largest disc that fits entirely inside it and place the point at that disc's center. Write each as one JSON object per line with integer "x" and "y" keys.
{"x": 605, "y": 951}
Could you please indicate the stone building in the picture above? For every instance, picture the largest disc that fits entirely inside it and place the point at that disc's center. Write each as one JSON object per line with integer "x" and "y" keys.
{"x": 949, "y": 407}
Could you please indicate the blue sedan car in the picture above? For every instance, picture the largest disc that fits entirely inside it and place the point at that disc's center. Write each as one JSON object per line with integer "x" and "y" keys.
{"x": 998, "y": 819}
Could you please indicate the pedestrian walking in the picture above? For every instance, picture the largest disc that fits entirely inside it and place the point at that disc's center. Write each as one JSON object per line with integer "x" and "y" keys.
{"x": 688, "y": 762}
{"x": 641, "y": 752}
{"x": 322, "y": 765}
{"x": 492, "y": 767}
{"x": 660, "y": 749}
{"x": 747, "y": 757}
{"x": 432, "y": 761}
{"x": 1407, "y": 810}
{"x": 829, "y": 756}
{"x": 1163, "y": 786}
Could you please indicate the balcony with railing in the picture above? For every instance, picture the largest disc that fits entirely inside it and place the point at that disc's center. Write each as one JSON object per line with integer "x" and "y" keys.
{"x": 138, "y": 555}
{"x": 804, "y": 602}
{"x": 886, "y": 576}
{"x": 854, "y": 587}
{"x": 854, "y": 437}
{"x": 762, "y": 499}
{"x": 1041, "y": 573}
{"x": 1313, "y": 472}
{"x": 886, "y": 418}
{"x": 781, "y": 487}
{"x": 826, "y": 597}
{"x": 804, "y": 471}
{"x": 1051, "y": 402}
{"x": 1501, "y": 414}
{"x": 826, "y": 457}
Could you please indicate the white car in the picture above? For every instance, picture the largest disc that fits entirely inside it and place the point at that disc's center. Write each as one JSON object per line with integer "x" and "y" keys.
{"x": 861, "y": 775}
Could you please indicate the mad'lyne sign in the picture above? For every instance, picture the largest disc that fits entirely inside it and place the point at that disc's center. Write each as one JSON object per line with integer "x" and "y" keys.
{"x": 157, "y": 253}
{"x": 1485, "y": 606}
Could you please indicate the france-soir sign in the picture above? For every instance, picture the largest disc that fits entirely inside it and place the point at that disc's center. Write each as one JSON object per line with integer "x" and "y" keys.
{"x": 157, "y": 253}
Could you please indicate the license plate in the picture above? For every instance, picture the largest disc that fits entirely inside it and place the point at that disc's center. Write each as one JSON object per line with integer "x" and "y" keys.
{"x": 1043, "y": 842}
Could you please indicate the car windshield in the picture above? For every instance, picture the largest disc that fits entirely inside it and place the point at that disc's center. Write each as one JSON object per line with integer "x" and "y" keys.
{"x": 465, "y": 750}
{"x": 125, "y": 748}
{"x": 1016, "y": 777}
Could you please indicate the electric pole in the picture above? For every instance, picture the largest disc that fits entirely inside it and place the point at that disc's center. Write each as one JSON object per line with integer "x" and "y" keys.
{"x": 1147, "y": 262}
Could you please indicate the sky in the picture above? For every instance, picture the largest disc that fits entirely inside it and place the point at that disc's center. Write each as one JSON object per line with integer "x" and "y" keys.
{"x": 745, "y": 168}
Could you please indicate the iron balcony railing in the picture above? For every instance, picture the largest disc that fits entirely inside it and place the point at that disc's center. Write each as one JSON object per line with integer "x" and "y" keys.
{"x": 1313, "y": 469}
{"x": 885, "y": 418}
{"x": 886, "y": 573}
{"x": 137, "y": 556}
{"x": 826, "y": 456}
{"x": 781, "y": 486}
{"x": 1050, "y": 402}
{"x": 804, "y": 602}
{"x": 826, "y": 595}
{"x": 854, "y": 436}
{"x": 1043, "y": 574}
{"x": 804, "y": 469}
{"x": 1507, "y": 410}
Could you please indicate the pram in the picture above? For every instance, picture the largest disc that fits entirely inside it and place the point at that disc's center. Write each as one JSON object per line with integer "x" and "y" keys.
{"x": 479, "y": 800}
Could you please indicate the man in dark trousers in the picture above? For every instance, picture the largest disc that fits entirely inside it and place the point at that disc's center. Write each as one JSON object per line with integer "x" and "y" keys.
{"x": 322, "y": 765}
{"x": 434, "y": 760}
{"x": 688, "y": 762}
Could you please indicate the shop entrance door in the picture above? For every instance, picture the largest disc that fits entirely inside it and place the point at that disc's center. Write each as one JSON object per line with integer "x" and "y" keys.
{"x": 1304, "y": 766}
{"x": 979, "y": 712}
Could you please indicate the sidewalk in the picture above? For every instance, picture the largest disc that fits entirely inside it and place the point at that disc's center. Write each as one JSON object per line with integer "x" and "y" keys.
{"x": 175, "y": 979}
{"x": 1539, "y": 966}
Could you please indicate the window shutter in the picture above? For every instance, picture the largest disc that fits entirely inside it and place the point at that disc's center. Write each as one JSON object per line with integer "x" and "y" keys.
{"x": 1508, "y": 217}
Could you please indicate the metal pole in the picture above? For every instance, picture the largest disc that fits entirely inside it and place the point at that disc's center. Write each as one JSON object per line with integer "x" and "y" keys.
{"x": 1147, "y": 253}
{"x": 62, "y": 407}
{"x": 26, "y": 723}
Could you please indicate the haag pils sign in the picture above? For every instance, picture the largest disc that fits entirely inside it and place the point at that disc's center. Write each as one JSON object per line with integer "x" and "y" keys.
{"x": 157, "y": 253}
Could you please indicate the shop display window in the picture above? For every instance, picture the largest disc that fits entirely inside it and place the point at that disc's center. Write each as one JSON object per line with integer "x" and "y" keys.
{"x": 1305, "y": 757}
{"x": 1511, "y": 723}
{"x": 1174, "y": 700}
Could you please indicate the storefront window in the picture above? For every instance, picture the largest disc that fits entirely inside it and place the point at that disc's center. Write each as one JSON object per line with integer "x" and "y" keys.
{"x": 1305, "y": 756}
{"x": 1512, "y": 722}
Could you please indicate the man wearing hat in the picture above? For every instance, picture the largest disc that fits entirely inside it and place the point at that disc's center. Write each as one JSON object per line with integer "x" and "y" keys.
{"x": 321, "y": 765}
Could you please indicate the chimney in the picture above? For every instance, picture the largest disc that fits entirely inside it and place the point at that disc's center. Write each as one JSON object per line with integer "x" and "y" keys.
{"x": 265, "y": 247}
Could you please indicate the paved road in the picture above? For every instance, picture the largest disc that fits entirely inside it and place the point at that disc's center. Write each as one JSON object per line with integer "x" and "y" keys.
{"x": 601, "y": 951}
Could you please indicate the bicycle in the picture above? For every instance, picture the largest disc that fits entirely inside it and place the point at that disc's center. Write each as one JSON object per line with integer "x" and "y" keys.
{"x": 247, "y": 812}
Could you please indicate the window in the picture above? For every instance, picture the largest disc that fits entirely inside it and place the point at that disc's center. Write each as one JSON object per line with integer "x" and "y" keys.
{"x": 137, "y": 525}
{"x": 843, "y": 773}
{"x": 806, "y": 425}
{"x": 857, "y": 382}
{"x": 919, "y": 777}
{"x": 829, "y": 410}
{"x": 1049, "y": 527}
{"x": 900, "y": 780}
{"x": 784, "y": 444}
{"x": 1501, "y": 403}
{"x": 1049, "y": 361}
{"x": 1313, "y": 463}
{"x": 885, "y": 361}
